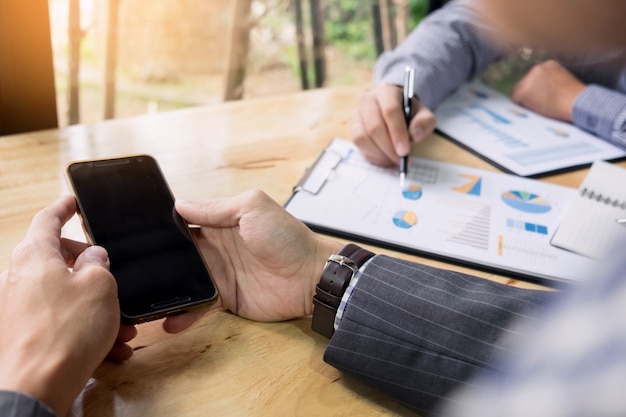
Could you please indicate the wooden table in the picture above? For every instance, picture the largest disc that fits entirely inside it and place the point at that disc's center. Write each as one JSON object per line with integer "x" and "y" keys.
{"x": 223, "y": 365}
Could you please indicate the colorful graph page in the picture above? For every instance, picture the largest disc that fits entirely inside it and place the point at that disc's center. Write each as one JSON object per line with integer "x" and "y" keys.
{"x": 514, "y": 138}
{"x": 486, "y": 219}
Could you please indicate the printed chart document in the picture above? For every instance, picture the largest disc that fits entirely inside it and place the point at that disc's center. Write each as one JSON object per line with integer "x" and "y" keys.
{"x": 514, "y": 138}
{"x": 486, "y": 219}
{"x": 597, "y": 217}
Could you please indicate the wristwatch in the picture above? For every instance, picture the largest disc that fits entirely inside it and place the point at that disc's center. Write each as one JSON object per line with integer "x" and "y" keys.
{"x": 340, "y": 268}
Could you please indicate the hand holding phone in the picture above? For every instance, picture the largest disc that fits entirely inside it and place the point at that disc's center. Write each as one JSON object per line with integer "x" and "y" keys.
{"x": 127, "y": 207}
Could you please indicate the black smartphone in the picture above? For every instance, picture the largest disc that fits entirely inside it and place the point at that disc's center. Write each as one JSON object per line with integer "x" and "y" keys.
{"x": 126, "y": 206}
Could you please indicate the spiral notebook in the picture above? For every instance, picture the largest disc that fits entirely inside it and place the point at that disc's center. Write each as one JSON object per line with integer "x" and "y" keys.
{"x": 597, "y": 217}
{"x": 489, "y": 220}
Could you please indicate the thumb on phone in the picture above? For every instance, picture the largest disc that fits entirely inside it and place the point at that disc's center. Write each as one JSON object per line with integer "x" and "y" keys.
{"x": 92, "y": 256}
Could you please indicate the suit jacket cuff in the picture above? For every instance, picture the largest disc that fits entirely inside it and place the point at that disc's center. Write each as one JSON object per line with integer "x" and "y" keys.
{"x": 18, "y": 404}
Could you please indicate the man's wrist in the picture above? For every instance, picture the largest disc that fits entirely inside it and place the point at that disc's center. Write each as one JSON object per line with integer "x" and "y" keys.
{"x": 325, "y": 248}
{"x": 43, "y": 381}
{"x": 14, "y": 403}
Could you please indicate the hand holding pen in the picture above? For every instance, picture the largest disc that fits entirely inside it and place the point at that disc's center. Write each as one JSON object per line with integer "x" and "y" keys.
{"x": 379, "y": 127}
{"x": 408, "y": 91}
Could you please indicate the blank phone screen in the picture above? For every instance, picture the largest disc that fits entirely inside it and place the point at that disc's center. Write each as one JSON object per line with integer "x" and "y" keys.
{"x": 128, "y": 209}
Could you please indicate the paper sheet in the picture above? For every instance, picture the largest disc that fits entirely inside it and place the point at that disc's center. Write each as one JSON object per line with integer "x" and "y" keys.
{"x": 483, "y": 218}
{"x": 514, "y": 138}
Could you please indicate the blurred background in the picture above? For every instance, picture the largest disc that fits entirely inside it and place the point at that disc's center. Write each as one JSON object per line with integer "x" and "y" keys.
{"x": 171, "y": 54}
{"x": 66, "y": 62}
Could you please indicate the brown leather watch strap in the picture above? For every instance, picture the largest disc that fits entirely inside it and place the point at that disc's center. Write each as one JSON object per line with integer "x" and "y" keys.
{"x": 339, "y": 270}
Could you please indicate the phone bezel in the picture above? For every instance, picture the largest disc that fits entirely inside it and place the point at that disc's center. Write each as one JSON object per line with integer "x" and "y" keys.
{"x": 170, "y": 307}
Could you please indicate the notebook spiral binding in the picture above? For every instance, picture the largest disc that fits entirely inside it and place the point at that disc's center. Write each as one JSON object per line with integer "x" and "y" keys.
{"x": 602, "y": 199}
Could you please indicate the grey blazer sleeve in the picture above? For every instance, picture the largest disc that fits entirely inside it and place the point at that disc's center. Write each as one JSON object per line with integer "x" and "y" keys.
{"x": 14, "y": 404}
{"x": 417, "y": 332}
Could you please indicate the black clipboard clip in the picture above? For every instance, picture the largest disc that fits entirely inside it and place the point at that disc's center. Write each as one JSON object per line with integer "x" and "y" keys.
{"x": 319, "y": 172}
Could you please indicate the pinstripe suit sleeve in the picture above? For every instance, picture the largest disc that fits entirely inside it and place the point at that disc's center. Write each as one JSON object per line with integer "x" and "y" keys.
{"x": 416, "y": 332}
{"x": 447, "y": 48}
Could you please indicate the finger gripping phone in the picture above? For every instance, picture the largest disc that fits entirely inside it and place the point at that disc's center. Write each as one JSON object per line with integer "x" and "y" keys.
{"x": 126, "y": 206}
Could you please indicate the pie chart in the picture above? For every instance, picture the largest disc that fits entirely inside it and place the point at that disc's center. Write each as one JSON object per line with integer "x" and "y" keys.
{"x": 405, "y": 219}
{"x": 412, "y": 191}
{"x": 526, "y": 202}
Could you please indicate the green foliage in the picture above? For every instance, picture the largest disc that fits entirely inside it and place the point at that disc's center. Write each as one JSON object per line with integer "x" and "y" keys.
{"x": 417, "y": 11}
{"x": 349, "y": 29}
{"x": 349, "y": 25}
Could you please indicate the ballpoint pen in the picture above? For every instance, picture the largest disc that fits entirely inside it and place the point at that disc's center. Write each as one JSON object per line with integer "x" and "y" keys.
{"x": 407, "y": 96}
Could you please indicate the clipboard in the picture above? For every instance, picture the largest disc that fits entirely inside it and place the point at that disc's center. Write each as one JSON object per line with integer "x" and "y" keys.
{"x": 487, "y": 220}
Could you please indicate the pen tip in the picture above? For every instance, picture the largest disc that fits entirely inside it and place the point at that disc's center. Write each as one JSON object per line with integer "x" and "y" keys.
{"x": 402, "y": 178}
